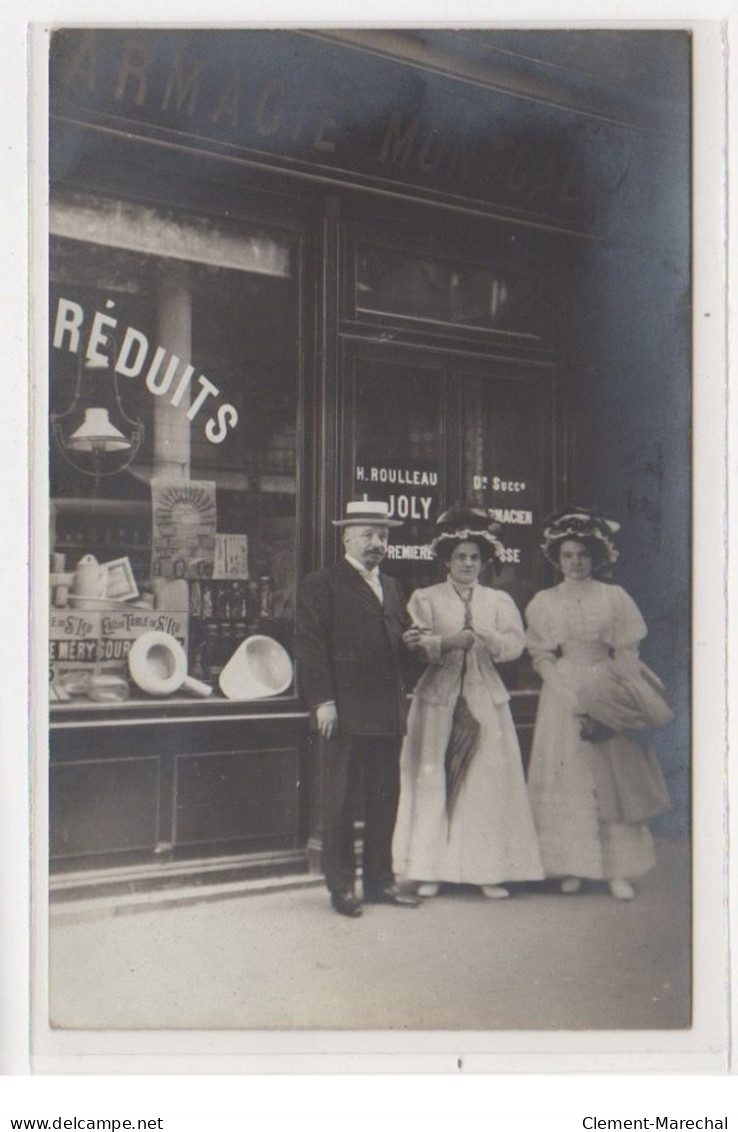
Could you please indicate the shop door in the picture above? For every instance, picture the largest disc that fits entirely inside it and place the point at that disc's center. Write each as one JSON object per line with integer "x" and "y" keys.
{"x": 423, "y": 429}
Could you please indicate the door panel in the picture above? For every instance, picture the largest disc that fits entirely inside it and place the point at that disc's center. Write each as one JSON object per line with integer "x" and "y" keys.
{"x": 508, "y": 443}
{"x": 424, "y": 429}
{"x": 395, "y": 443}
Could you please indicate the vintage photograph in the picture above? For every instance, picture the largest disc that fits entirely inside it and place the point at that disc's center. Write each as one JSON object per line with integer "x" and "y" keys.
{"x": 369, "y": 511}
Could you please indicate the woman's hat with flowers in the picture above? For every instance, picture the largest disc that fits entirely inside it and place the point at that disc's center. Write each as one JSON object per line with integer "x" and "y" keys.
{"x": 580, "y": 523}
{"x": 464, "y": 522}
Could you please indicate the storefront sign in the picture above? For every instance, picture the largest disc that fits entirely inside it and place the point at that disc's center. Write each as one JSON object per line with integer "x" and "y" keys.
{"x": 73, "y": 640}
{"x": 405, "y": 553}
{"x": 507, "y": 515}
{"x": 397, "y": 475}
{"x": 91, "y": 641}
{"x": 165, "y": 376}
{"x": 500, "y": 493}
{"x": 298, "y": 102}
{"x": 411, "y": 496}
{"x": 402, "y": 505}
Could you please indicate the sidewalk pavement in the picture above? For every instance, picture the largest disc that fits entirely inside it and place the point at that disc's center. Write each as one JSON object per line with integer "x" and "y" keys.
{"x": 281, "y": 959}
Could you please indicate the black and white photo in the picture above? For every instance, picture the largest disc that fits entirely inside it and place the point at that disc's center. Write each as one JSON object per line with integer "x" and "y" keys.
{"x": 368, "y": 554}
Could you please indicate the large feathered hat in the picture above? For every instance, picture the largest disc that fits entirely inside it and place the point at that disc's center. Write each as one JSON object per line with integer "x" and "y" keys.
{"x": 465, "y": 523}
{"x": 585, "y": 524}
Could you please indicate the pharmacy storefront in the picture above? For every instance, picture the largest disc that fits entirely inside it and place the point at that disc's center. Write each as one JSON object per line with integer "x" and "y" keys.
{"x": 290, "y": 269}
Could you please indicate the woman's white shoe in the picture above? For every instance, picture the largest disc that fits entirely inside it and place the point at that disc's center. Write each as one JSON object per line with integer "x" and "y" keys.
{"x": 570, "y": 886}
{"x": 428, "y": 889}
{"x": 622, "y": 890}
{"x": 494, "y": 891}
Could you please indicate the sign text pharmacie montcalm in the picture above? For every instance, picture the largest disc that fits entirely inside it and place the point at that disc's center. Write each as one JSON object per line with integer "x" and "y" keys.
{"x": 166, "y": 376}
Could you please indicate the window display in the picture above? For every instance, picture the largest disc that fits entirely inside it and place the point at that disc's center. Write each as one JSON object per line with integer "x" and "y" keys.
{"x": 173, "y": 453}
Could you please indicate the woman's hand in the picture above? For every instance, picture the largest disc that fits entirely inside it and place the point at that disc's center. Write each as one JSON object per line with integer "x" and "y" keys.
{"x": 463, "y": 640}
{"x": 327, "y": 720}
{"x": 593, "y": 731}
{"x": 412, "y": 638}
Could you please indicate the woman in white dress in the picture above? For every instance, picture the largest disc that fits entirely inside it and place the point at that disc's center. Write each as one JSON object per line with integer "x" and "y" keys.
{"x": 464, "y": 630}
{"x": 592, "y": 788}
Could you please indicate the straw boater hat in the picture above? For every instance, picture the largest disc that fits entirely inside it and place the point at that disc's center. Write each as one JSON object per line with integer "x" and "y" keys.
{"x": 364, "y": 513}
{"x": 586, "y": 524}
{"x": 464, "y": 523}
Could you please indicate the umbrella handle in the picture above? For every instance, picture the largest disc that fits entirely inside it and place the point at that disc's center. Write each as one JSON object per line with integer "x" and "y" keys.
{"x": 463, "y": 673}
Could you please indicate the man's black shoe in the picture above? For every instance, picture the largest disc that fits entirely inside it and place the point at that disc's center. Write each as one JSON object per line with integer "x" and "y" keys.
{"x": 346, "y": 904}
{"x": 391, "y": 895}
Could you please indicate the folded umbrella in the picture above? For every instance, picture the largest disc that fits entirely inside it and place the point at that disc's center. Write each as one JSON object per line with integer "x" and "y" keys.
{"x": 464, "y": 737}
{"x": 460, "y": 750}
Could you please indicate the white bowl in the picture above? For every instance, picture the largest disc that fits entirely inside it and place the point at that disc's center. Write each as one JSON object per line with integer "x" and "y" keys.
{"x": 157, "y": 663}
{"x": 259, "y": 668}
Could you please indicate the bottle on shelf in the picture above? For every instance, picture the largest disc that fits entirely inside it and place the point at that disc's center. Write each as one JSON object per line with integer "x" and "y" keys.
{"x": 212, "y": 663}
{"x": 266, "y": 598}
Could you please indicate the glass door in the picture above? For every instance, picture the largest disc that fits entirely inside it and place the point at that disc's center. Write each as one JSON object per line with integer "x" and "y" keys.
{"x": 424, "y": 429}
{"x": 395, "y": 427}
{"x": 508, "y": 433}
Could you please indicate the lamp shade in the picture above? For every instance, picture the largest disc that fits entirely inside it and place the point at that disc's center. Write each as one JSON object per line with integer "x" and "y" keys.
{"x": 97, "y": 434}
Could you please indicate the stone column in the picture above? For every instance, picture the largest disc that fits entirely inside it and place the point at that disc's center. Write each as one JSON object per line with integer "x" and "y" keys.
{"x": 174, "y": 333}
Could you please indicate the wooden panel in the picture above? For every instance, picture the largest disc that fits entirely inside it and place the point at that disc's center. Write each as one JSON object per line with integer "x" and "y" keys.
{"x": 213, "y": 796}
{"x": 106, "y": 806}
{"x": 237, "y": 796}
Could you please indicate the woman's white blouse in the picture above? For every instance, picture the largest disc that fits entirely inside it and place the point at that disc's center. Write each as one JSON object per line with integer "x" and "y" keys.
{"x": 583, "y": 611}
{"x": 499, "y": 631}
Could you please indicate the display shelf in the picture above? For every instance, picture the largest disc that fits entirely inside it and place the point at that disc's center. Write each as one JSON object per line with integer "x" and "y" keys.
{"x": 145, "y": 710}
{"x": 87, "y": 547}
{"x": 107, "y": 528}
{"x": 101, "y": 506}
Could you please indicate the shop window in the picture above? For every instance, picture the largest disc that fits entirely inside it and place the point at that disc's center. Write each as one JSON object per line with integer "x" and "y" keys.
{"x": 173, "y": 457}
{"x": 449, "y": 292}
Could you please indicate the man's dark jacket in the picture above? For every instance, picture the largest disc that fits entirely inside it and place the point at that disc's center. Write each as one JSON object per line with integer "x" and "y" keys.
{"x": 349, "y": 649}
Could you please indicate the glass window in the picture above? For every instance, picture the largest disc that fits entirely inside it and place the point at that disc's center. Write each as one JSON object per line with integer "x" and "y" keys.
{"x": 399, "y": 457}
{"x": 449, "y": 292}
{"x": 399, "y": 416}
{"x": 508, "y": 470}
{"x": 173, "y": 457}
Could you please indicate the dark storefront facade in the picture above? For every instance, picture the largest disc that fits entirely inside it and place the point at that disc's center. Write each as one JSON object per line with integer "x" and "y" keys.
{"x": 289, "y": 269}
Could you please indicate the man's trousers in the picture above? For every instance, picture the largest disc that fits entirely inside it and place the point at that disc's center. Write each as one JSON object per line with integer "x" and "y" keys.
{"x": 354, "y": 765}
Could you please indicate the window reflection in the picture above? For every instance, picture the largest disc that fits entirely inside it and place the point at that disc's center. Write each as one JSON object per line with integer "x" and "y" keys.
{"x": 441, "y": 290}
{"x": 207, "y": 360}
{"x": 399, "y": 457}
{"x": 507, "y": 449}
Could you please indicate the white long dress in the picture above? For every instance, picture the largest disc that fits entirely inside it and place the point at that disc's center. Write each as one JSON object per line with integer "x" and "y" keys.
{"x": 491, "y": 837}
{"x": 571, "y": 628}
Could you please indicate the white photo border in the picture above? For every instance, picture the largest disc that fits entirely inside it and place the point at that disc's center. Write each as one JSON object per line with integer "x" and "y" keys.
{"x": 703, "y": 1049}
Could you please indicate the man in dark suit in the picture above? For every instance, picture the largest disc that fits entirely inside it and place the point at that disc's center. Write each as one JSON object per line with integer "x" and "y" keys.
{"x": 352, "y": 630}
